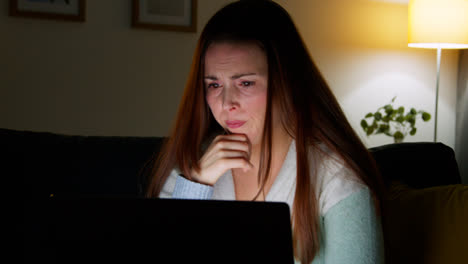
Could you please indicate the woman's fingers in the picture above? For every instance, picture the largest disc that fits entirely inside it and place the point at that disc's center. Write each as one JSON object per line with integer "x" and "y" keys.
{"x": 238, "y": 137}
{"x": 225, "y": 152}
{"x": 209, "y": 175}
{"x": 228, "y": 153}
{"x": 237, "y": 163}
{"x": 230, "y": 142}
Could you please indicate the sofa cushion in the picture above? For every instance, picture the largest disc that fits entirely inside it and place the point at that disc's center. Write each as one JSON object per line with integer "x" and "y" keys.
{"x": 426, "y": 225}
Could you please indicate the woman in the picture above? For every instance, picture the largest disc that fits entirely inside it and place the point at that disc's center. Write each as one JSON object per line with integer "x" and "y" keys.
{"x": 257, "y": 121}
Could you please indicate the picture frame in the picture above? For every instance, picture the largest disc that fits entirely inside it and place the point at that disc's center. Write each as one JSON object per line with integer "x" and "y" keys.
{"x": 169, "y": 15}
{"x": 66, "y": 10}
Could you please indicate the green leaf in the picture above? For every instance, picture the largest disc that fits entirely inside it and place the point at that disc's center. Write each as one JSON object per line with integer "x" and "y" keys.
{"x": 401, "y": 110}
{"x": 388, "y": 109}
{"x": 370, "y": 130}
{"x": 378, "y": 116}
{"x": 386, "y": 119}
{"x": 383, "y": 128}
{"x": 413, "y": 111}
{"x": 398, "y": 136}
{"x": 413, "y": 131}
{"x": 400, "y": 119}
{"x": 393, "y": 99}
{"x": 364, "y": 124}
{"x": 369, "y": 115}
{"x": 426, "y": 116}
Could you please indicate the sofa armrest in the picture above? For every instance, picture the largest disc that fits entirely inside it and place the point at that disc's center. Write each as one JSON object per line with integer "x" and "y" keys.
{"x": 419, "y": 165}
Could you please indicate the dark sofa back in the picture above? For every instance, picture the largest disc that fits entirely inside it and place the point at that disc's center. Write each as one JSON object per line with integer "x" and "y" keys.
{"x": 79, "y": 166}
{"x": 51, "y": 164}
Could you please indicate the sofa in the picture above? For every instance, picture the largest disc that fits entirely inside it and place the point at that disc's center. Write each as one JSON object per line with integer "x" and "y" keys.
{"x": 425, "y": 217}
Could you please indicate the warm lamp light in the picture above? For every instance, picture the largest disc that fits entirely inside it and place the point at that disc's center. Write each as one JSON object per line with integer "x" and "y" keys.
{"x": 438, "y": 24}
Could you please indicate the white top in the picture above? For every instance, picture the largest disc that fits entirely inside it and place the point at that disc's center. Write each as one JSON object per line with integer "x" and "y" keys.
{"x": 334, "y": 182}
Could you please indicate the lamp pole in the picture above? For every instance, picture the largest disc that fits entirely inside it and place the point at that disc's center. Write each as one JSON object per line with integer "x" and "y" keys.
{"x": 439, "y": 53}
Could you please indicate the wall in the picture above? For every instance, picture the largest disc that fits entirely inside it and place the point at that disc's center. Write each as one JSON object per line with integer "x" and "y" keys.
{"x": 101, "y": 77}
{"x": 361, "y": 48}
{"x": 462, "y": 117}
{"x": 104, "y": 78}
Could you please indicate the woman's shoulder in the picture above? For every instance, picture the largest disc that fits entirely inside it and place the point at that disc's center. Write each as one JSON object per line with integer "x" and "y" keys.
{"x": 335, "y": 181}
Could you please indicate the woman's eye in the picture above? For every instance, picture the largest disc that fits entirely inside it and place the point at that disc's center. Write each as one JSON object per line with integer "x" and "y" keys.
{"x": 246, "y": 83}
{"x": 213, "y": 85}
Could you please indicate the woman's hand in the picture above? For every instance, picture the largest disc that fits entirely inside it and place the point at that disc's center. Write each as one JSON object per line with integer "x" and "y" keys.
{"x": 225, "y": 152}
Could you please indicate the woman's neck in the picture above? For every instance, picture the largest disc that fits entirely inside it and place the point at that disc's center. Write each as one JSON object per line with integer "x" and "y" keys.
{"x": 246, "y": 183}
{"x": 280, "y": 146}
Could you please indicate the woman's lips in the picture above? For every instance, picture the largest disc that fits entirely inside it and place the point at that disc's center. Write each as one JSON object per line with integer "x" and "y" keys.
{"x": 235, "y": 124}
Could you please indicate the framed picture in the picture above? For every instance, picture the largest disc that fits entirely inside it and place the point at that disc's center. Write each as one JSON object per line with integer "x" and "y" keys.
{"x": 69, "y": 10}
{"x": 174, "y": 15}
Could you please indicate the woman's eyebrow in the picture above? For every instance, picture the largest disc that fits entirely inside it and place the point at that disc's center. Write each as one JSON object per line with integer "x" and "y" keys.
{"x": 237, "y": 76}
{"x": 210, "y": 77}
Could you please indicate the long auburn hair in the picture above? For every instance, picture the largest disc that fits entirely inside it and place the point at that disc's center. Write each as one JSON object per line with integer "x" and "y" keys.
{"x": 309, "y": 112}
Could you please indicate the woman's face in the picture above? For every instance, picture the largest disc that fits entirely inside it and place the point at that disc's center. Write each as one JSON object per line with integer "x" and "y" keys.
{"x": 236, "y": 80}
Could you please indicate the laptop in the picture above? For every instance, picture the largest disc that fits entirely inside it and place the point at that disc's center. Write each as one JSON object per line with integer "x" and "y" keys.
{"x": 103, "y": 230}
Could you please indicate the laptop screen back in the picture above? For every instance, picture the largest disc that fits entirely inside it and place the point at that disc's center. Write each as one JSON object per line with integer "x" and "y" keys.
{"x": 157, "y": 230}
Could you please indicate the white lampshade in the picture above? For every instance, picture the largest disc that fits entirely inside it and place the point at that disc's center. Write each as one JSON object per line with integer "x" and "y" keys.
{"x": 438, "y": 24}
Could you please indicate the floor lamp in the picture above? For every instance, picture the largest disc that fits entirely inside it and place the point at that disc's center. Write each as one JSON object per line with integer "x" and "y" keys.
{"x": 438, "y": 24}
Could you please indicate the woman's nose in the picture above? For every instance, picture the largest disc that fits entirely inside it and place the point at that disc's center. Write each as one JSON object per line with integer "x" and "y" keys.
{"x": 230, "y": 101}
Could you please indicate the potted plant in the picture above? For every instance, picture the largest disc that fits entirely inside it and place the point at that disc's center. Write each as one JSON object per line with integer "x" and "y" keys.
{"x": 393, "y": 122}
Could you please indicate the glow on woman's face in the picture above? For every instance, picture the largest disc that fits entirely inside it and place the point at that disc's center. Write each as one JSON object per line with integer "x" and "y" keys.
{"x": 236, "y": 83}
